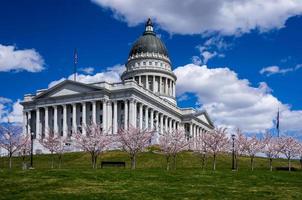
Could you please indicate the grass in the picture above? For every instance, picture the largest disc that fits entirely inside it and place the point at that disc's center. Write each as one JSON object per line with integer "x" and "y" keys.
{"x": 76, "y": 179}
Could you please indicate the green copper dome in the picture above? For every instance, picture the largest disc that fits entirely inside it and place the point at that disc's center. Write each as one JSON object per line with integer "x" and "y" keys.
{"x": 148, "y": 42}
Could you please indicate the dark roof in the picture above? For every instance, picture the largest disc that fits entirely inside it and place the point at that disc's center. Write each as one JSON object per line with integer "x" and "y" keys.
{"x": 148, "y": 42}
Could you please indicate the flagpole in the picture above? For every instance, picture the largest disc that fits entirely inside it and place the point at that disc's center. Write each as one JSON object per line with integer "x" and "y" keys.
{"x": 75, "y": 62}
{"x": 278, "y": 123}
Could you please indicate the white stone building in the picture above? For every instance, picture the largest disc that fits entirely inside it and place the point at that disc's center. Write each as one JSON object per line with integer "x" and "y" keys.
{"x": 145, "y": 98}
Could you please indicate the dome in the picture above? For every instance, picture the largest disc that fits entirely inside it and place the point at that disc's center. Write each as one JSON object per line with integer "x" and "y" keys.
{"x": 148, "y": 42}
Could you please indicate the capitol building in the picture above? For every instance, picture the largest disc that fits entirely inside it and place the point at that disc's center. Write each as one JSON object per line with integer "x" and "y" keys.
{"x": 145, "y": 98}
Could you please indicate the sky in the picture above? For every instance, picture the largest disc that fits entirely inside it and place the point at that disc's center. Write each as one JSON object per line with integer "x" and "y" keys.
{"x": 243, "y": 59}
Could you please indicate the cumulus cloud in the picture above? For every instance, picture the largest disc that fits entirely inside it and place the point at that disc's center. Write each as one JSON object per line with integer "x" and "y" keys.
{"x": 233, "y": 102}
{"x": 10, "y": 111}
{"x": 271, "y": 70}
{"x": 111, "y": 74}
{"x": 226, "y": 17}
{"x": 13, "y": 59}
{"x": 87, "y": 70}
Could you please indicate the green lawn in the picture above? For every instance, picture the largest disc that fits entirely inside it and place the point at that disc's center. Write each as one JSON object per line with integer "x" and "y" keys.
{"x": 76, "y": 180}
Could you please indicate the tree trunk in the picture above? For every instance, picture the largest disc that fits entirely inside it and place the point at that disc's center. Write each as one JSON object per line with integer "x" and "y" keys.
{"x": 289, "y": 166}
{"x": 300, "y": 162}
{"x": 168, "y": 163}
{"x": 203, "y": 161}
{"x": 51, "y": 160}
{"x": 252, "y": 163}
{"x": 133, "y": 161}
{"x": 60, "y": 160}
{"x": 271, "y": 164}
{"x": 92, "y": 159}
{"x": 214, "y": 162}
{"x": 174, "y": 162}
{"x": 10, "y": 160}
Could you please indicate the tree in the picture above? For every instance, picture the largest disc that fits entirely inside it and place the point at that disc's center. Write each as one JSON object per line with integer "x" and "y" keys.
{"x": 95, "y": 141}
{"x": 133, "y": 141}
{"x": 201, "y": 148}
{"x": 271, "y": 147}
{"x": 289, "y": 148}
{"x": 171, "y": 143}
{"x": 252, "y": 147}
{"x": 11, "y": 139}
{"x": 25, "y": 149}
{"x": 300, "y": 154}
{"x": 240, "y": 144}
{"x": 54, "y": 143}
{"x": 217, "y": 142}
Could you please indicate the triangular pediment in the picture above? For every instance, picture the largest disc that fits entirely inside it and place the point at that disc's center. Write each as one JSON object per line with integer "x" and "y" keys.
{"x": 67, "y": 88}
{"x": 203, "y": 116}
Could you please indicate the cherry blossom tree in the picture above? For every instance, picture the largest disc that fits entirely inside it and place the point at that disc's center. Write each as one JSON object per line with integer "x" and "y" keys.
{"x": 133, "y": 141}
{"x": 240, "y": 144}
{"x": 290, "y": 148}
{"x": 252, "y": 147}
{"x": 11, "y": 139}
{"x": 201, "y": 148}
{"x": 95, "y": 141}
{"x": 271, "y": 147}
{"x": 172, "y": 143}
{"x": 300, "y": 154}
{"x": 54, "y": 143}
{"x": 25, "y": 149}
{"x": 217, "y": 142}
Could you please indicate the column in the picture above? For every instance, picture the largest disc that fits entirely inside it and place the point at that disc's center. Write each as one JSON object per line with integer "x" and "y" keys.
{"x": 166, "y": 123}
{"x": 147, "y": 83}
{"x": 55, "y": 120}
{"x": 104, "y": 115}
{"x": 131, "y": 113}
{"x": 65, "y": 120}
{"x": 84, "y": 121}
{"x": 114, "y": 117}
{"x": 191, "y": 129}
{"x": 24, "y": 129}
{"x": 74, "y": 117}
{"x": 28, "y": 123}
{"x": 141, "y": 116}
{"x": 151, "y": 119}
{"x": 156, "y": 122}
{"x": 126, "y": 114}
{"x": 146, "y": 117}
{"x": 170, "y": 124}
{"x": 160, "y": 85}
{"x": 166, "y": 86}
{"x": 46, "y": 121}
{"x": 109, "y": 112}
{"x": 161, "y": 123}
{"x": 139, "y": 80}
{"x": 93, "y": 112}
{"x": 38, "y": 134}
{"x": 153, "y": 84}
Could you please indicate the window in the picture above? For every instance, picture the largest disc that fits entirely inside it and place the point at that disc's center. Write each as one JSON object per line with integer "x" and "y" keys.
{"x": 150, "y": 63}
{"x": 144, "y": 63}
{"x": 161, "y": 64}
{"x": 156, "y": 63}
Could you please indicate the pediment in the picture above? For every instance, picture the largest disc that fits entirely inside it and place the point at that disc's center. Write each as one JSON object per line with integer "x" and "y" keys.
{"x": 203, "y": 116}
{"x": 67, "y": 88}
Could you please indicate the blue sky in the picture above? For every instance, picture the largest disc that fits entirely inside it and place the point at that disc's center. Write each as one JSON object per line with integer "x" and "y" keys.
{"x": 103, "y": 32}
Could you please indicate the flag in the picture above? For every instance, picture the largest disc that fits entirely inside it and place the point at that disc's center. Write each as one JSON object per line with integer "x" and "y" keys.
{"x": 75, "y": 57}
{"x": 75, "y": 62}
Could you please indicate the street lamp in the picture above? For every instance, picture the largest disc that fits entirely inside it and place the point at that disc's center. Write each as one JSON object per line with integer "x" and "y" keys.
{"x": 31, "y": 149}
{"x": 233, "y": 153}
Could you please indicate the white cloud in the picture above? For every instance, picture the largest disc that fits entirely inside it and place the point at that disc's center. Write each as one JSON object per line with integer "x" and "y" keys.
{"x": 87, "y": 70}
{"x": 271, "y": 70}
{"x": 12, "y": 59}
{"x": 234, "y": 102}
{"x": 10, "y": 110}
{"x": 227, "y": 17}
{"x": 112, "y": 74}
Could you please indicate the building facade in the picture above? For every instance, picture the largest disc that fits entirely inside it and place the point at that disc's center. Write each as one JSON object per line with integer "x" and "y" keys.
{"x": 145, "y": 98}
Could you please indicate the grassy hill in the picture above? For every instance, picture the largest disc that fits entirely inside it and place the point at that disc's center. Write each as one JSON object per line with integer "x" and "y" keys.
{"x": 76, "y": 179}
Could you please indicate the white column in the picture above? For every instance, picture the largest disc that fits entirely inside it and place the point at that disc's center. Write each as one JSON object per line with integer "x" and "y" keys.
{"x": 166, "y": 86}
{"x": 146, "y": 117}
{"x": 147, "y": 82}
{"x": 157, "y": 121}
{"x": 93, "y": 112}
{"x": 160, "y": 85}
{"x": 84, "y": 121}
{"x": 38, "y": 134}
{"x": 125, "y": 114}
{"x": 74, "y": 117}
{"x": 170, "y": 124}
{"x": 140, "y": 116}
{"x": 55, "y": 120}
{"x": 166, "y": 124}
{"x": 173, "y": 125}
{"x": 131, "y": 113}
{"x": 191, "y": 129}
{"x": 105, "y": 115}
{"x": 24, "y": 129}
{"x": 153, "y": 85}
{"x": 109, "y": 112}
{"x": 135, "y": 113}
{"x": 139, "y": 80}
{"x": 28, "y": 123}
{"x": 161, "y": 123}
{"x": 114, "y": 117}
{"x": 65, "y": 128}
{"x": 151, "y": 119}
{"x": 46, "y": 121}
